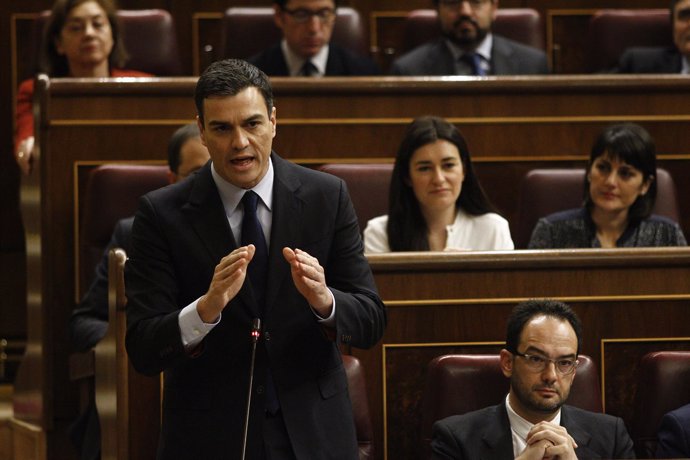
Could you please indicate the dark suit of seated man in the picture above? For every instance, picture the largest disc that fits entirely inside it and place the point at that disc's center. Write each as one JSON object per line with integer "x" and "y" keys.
{"x": 659, "y": 59}
{"x": 540, "y": 359}
{"x": 674, "y": 434}
{"x": 250, "y": 236}
{"x": 468, "y": 47}
{"x": 305, "y": 50}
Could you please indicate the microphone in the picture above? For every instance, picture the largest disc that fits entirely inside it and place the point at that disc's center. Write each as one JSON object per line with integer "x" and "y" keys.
{"x": 255, "y": 334}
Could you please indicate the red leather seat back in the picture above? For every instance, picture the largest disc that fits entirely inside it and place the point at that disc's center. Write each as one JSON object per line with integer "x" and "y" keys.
{"x": 663, "y": 385}
{"x": 112, "y": 193}
{"x": 357, "y": 388}
{"x": 368, "y": 184}
{"x": 612, "y": 31}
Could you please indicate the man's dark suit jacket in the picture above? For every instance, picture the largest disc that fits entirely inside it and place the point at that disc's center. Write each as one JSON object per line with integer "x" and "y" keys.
{"x": 674, "y": 434}
{"x": 180, "y": 233}
{"x": 485, "y": 435}
{"x": 650, "y": 60}
{"x": 89, "y": 321}
{"x": 507, "y": 58}
{"x": 340, "y": 62}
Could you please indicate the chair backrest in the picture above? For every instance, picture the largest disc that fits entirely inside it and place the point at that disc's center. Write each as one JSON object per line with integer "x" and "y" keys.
{"x": 368, "y": 184}
{"x": 112, "y": 193}
{"x": 150, "y": 39}
{"x": 612, "y": 31}
{"x": 523, "y": 25}
{"x": 457, "y": 384}
{"x": 250, "y": 30}
{"x": 545, "y": 191}
{"x": 663, "y": 385}
{"x": 128, "y": 403}
{"x": 357, "y": 388}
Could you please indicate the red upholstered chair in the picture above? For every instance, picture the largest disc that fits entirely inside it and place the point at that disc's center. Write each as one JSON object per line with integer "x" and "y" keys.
{"x": 457, "y": 384}
{"x": 149, "y": 37}
{"x": 249, "y": 30}
{"x": 368, "y": 184}
{"x": 520, "y": 24}
{"x": 612, "y": 31}
{"x": 663, "y": 385}
{"x": 545, "y": 191}
{"x": 112, "y": 193}
{"x": 360, "y": 406}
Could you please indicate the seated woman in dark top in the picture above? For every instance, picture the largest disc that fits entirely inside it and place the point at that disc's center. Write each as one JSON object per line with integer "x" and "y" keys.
{"x": 620, "y": 190}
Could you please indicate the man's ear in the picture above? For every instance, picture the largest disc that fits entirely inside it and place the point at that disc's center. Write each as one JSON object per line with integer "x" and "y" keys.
{"x": 278, "y": 17}
{"x": 507, "y": 361}
{"x": 202, "y": 134}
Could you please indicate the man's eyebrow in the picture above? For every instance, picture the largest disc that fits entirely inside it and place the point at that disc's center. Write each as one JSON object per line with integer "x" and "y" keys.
{"x": 539, "y": 351}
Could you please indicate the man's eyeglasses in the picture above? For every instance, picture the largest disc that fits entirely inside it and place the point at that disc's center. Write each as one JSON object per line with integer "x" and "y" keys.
{"x": 301, "y": 15}
{"x": 474, "y": 4}
{"x": 537, "y": 363}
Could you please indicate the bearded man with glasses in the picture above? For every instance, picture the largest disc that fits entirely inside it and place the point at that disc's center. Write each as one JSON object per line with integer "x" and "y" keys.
{"x": 468, "y": 47}
{"x": 540, "y": 359}
{"x": 305, "y": 49}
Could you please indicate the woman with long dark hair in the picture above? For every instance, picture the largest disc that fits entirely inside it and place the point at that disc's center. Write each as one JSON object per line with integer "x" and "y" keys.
{"x": 436, "y": 202}
{"x": 620, "y": 191}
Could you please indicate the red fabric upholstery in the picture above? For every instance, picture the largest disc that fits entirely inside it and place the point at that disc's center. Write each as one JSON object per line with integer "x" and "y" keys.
{"x": 545, "y": 191}
{"x": 356, "y": 383}
{"x": 149, "y": 37}
{"x": 112, "y": 193}
{"x": 612, "y": 31}
{"x": 249, "y": 30}
{"x": 663, "y": 385}
{"x": 368, "y": 184}
{"x": 520, "y": 24}
{"x": 457, "y": 384}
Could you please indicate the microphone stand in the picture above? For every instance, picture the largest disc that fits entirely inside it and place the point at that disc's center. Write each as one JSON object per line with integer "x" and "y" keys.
{"x": 256, "y": 332}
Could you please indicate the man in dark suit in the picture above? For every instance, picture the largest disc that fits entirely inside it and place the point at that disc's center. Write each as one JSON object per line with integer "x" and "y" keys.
{"x": 194, "y": 287}
{"x": 305, "y": 50}
{"x": 468, "y": 47}
{"x": 540, "y": 359}
{"x": 674, "y": 434}
{"x": 663, "y": 60}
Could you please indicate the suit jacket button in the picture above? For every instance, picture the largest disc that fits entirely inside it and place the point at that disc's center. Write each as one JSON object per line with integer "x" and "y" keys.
{"x": 267, "y": 336}
{"x": 260, "y": 389}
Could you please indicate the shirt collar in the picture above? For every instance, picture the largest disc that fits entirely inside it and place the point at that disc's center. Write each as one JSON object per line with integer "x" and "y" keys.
{"x": 231, "y": 195}
{"x": 520, "y": 426}
{"x": 295, "y": 62}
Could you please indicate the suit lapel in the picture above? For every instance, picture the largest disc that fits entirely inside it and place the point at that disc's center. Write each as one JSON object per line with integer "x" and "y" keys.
{"x": 206, "y": 214}
{"x": 580, "y": 434}
{"x": 501, "y": 63}
{"x": 497, "y": 439}
{"x": 285, "y": 229}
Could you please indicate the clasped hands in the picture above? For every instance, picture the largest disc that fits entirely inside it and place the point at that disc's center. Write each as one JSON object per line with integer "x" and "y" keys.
{"x": 547, "y": 441}
{"x": 228, "y": 277}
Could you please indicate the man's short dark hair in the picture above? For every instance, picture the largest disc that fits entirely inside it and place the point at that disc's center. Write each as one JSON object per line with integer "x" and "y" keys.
{"x": 177, "y": 140}
{"x": 228, "y": 78}
{"x": 525, "y": 311}
{"x": 282, "y": 3}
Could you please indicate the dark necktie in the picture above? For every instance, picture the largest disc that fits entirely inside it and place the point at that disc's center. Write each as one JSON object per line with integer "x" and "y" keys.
{"x": 474, "y": 60}
{"x": 252, "y": 233}
{"x": 308, "y": 69}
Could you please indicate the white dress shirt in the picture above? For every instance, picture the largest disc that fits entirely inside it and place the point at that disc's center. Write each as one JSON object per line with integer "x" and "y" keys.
{"x": 519, "y": 427}
{"x": 295, "y": 62}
